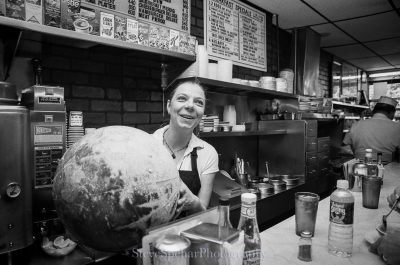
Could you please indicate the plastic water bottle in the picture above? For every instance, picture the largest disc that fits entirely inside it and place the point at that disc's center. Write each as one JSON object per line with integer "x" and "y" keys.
{"x": 340, "y": 237}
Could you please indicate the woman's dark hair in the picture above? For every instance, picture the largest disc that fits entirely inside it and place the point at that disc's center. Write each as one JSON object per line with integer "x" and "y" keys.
{"x": 195, "y": 81}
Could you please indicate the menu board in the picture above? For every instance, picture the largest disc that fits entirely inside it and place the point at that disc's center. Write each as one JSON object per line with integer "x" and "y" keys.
{"x": 237, "y": 32}
{"x": 173, "y": 14}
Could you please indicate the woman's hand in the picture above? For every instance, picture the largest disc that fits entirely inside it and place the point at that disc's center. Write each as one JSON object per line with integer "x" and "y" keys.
{"x": 188, "y": 201}
{"x": 393, "y": 197}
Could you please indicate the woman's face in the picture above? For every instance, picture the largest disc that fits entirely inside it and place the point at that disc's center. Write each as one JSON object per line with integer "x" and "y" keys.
{"x": 186, "y": 107}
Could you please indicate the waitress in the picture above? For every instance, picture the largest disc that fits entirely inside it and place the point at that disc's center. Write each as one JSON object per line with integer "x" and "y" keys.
{"x": 196, "y": 160}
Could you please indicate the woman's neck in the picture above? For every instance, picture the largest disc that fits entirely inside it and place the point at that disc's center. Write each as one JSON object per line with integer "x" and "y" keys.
{"x": 177, "y": 138}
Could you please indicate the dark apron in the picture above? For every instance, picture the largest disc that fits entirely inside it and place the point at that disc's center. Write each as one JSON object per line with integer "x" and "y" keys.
{"x": 191, "y": 178}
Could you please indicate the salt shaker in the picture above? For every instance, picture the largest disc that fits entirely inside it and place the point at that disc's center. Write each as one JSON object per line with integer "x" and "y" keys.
{"x": 305, "y": 243}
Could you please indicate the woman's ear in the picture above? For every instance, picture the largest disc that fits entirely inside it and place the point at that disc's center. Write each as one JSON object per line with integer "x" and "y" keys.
{"x": 168, "y": 106}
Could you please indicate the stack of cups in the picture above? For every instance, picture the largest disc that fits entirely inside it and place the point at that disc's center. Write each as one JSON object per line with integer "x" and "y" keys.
{"x": 225, "y": 70}
{"x": 281, "y": 85}
{"x": 268, "y": 82}
{"x": 289, "y": 76}
{"x": 202, "y": 60}
{"x": 212, "y": 70}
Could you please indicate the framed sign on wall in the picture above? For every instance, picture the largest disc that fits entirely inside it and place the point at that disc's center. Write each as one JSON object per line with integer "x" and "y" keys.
{"x": 235, "y": 31}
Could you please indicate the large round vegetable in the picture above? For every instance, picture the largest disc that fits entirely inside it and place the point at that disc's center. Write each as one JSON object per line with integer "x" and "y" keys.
{"x": 114, "y": 184}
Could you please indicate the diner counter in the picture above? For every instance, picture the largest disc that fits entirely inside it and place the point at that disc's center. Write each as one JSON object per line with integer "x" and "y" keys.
{"x": 280, "y": 242}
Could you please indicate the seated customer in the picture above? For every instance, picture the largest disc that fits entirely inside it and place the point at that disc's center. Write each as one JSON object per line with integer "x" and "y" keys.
{"x": 379, "y": 133}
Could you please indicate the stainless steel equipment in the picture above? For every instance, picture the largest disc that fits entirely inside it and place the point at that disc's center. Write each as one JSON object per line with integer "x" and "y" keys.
{"x": 48, "y": 133}
{"x": 15, "y": 173}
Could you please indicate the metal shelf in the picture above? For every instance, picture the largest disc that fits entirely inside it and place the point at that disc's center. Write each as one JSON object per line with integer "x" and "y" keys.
{"x": 236, "y": 89}
{"x": 352, "y": 117}
{"x": 84, "y": 40}
{"x": 247, "y": 133}
{"x": 349, "y": 105}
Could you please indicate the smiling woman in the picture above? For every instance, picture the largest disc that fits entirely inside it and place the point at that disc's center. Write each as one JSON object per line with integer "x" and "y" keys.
{"x": 196, "y": 160}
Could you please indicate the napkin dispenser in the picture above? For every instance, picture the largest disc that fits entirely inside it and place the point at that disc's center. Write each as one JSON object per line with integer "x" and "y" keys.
{"x": 206, "y": 242}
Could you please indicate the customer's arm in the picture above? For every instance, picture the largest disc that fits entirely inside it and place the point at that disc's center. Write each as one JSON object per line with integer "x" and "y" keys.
{"x": 389, "y": 247}
{"x": 393, "y": 197}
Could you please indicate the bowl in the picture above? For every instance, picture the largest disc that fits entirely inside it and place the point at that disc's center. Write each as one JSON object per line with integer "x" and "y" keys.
{"x": 292, "y": 181}
{"x": 279, "y": 186}
{"x": 275, "y": 179}
{"x": 380, "y": 230}
{"x": 238, "y": 128}
{"x": 59, "y": 246}
{"x": 265, "y": 188}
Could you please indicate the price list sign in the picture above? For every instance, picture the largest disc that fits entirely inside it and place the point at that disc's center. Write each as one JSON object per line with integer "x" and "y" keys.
{"x": 237, "y": 32}
{"x": 174, "y": 14}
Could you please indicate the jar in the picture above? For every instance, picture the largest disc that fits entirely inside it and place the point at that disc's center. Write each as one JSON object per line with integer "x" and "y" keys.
{"x": 305, "y": 246}
{"x": 171, "y": 250}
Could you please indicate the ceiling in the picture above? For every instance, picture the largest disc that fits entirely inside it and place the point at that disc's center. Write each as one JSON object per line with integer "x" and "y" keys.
{"x": 365, "y": 33}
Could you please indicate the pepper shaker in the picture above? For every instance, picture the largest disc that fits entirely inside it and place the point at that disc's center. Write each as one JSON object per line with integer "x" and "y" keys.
{"x": 305, "y": 243}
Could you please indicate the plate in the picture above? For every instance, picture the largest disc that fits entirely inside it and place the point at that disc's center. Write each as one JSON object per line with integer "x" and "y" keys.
{"x": 49, "y": 248}
{"x": 379, "y": 229}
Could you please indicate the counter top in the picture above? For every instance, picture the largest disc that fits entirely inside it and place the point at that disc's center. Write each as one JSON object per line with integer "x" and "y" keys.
{"x": 280, "y": 242}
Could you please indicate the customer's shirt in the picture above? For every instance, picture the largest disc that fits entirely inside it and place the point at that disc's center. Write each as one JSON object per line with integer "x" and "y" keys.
{"x": 378, "y": 133}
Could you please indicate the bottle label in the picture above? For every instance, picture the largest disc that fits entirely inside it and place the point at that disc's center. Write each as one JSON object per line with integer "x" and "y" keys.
{"x": 252, "y": 257}
{"x": 341, "y": 213}
{"x": 248, "y": 211}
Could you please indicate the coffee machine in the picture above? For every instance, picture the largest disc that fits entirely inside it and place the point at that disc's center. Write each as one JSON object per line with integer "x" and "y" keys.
{"x": 47, "y": 145}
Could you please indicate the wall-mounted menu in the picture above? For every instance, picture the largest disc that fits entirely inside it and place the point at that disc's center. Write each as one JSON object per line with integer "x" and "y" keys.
{"x": 174, "y": 14}
{"x": 237, "y": 32}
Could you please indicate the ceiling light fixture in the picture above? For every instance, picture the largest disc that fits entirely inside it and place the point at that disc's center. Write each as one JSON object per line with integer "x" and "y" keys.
{"x": 384, "y": 74}
{"x": 337, "y": 63}
{"x": 351, "y": 77}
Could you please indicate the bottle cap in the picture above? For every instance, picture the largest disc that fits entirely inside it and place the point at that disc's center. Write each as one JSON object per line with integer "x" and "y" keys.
{"x": 306, "y": 234}
{"x": 224, "y": 201}
{"x": 342, "y": 183}
{"x": 248, "y": 197}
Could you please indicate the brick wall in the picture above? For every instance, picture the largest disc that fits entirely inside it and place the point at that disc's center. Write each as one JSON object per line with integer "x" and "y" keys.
{"x": 118, "y": 87}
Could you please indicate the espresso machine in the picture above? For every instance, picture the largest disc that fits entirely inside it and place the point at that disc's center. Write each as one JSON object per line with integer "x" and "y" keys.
{"x": 15, "y": 173}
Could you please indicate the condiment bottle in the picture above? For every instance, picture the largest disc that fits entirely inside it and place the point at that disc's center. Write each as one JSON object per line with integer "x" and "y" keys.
{"x": 248, "y": 224}
{"x": 224, "y": 222}
{"x": 305, "y": 244}
{"x": 381, "y": 168}
{"x": 372, "y": 169}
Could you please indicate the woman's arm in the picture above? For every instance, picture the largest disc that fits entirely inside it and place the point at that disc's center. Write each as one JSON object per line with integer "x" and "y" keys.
{"x": 192, "y": 203}
{"x": 204, "y": 195}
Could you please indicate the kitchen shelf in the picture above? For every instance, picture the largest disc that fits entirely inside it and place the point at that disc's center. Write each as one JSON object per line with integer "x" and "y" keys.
{"x": 352, "y": 117}
{"x": 338, "y": 103}
{"x": 235, "y": 89}
{"x": 246, "y": 133}
{"x": 51, "y": 34}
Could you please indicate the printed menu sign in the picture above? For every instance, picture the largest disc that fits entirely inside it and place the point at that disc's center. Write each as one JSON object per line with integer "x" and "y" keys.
{"x": 174, "y": 14}
{"x": 237, "y": 32}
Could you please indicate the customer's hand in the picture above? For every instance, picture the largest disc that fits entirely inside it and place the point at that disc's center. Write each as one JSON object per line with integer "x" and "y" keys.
{"x": 389, "y": 247}
{"x": 393, "y": 197}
